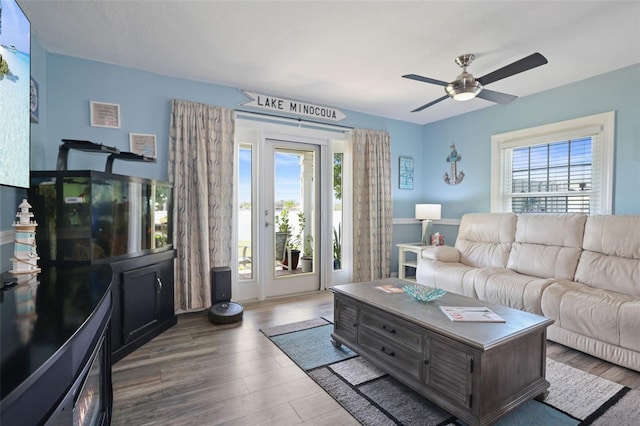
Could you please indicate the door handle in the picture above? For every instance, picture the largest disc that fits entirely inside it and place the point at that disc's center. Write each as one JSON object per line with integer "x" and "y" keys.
{"x": 158, "y": 285}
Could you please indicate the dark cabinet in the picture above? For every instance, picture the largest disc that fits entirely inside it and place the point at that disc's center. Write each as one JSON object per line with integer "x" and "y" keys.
{"x": 86, "y": 217}
{"x": 144, "y": 301}
{"x": 141, "y": 290}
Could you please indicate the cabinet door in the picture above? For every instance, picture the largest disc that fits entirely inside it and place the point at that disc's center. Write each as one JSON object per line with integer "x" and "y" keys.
{"x": 346, "y": 319}
{"x": 450, "y": 370}
{"x": 167, "y": 308}
{"x": 141, "y": 290}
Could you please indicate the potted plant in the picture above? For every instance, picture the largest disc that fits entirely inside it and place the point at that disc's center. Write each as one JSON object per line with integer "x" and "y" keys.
{"x": 337, "y": 246}
{"x": 295, "y": 242}
{"x": 307, "y": 255}
{"x": 283, "y": 231}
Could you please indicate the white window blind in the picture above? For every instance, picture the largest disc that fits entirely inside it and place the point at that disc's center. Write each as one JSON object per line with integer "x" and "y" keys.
{"x": 559, "y": 168}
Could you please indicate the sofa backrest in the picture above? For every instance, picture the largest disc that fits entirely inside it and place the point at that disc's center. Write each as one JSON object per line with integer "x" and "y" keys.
{"x": 611, "y": 254}
{"x": 484, "y": 239}
{"x": 547, "y": 245}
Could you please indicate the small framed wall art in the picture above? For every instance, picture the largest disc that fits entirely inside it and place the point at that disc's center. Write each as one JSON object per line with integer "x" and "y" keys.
{"x": 105, "y": 115}
{"x": 143, "y": 144}
{"x": 405, "y": 173}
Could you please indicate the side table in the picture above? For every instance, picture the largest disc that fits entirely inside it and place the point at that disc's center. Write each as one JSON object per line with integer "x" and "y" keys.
{"x": 403, "y": 262}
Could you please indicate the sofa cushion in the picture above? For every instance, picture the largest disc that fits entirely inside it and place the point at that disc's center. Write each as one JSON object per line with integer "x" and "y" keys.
{"x": 547, "y": 246}
{"x": 561, "y": 229}
{"x": 603, "y": 315}
{"x": 611, "y": 256}
{"x": 506, "y": 287}
{"x": 441, "y": 253}
{"x": 484, "y": 239}
{"x": 630, "y": 325}
{"x": 544, "y": 261}
{"x": 453, "y": 277}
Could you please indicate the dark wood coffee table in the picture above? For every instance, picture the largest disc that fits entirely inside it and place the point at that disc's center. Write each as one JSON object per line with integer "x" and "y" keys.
{"x": 476, "y": 371}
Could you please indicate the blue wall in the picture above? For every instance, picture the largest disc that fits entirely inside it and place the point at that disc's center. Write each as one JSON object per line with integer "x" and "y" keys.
{"x": 144, "y": 100}
{"x": 67, "y": 85}
{"x": 615, "y": 91}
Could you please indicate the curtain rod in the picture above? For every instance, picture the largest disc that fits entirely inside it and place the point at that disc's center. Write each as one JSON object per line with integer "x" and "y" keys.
{"x": 335, "y": 127}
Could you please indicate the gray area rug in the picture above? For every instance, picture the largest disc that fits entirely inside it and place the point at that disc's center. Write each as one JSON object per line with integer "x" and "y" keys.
{"x": 374, "y": 398}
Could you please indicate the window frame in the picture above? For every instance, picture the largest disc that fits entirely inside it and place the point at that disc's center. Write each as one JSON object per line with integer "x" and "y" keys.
{"x": 601, "y": 124}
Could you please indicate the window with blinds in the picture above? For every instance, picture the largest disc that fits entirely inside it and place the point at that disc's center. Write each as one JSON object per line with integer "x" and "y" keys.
{"x": 560, "y": 168}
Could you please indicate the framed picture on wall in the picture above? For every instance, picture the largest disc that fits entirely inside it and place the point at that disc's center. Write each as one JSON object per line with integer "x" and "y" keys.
{"x": 143, "y": 144}
{"x": 405, "y": 173}
{"x": 105, "y": 115}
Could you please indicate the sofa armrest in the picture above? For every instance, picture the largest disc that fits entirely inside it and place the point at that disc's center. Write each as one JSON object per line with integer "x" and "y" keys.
{"x": 441, "y": 253}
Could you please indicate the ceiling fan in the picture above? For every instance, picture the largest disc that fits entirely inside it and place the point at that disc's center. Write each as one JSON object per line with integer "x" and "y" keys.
{"x": 466, "y": 86}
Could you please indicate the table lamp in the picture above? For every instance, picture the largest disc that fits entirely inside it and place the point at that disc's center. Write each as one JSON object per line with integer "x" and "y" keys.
{"x": 427, "y": 213}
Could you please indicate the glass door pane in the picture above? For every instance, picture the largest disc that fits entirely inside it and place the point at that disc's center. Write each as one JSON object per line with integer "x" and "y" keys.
{"x": 245, "y": 216}
{"x": 292, "y": 199}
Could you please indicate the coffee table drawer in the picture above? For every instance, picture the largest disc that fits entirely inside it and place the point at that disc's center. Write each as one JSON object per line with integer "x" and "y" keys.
{"x": 392, "y": 328}
{"x": 395, "y": 356}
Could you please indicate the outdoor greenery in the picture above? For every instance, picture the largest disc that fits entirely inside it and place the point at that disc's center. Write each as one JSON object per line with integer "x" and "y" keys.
{"x": 282, "y": 220}
{"x": 296, "y": 241}
{"x": 162, "y": 196}
{"x": 337, "y": 175}
{"x": 337, "y": 246}
{"x": 308, "y": 247}
{"x": 283, "y": 224}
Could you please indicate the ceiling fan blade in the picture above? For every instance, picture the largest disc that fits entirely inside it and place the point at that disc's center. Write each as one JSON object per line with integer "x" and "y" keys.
{"x": 524, "y": 64}
{"x": 430, "y": 103}
{"x": 425, "y": 79}
{"x": 497, "y": 97}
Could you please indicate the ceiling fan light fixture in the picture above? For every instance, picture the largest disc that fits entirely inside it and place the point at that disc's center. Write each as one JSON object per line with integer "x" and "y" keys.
{"x": 463, "y": 89}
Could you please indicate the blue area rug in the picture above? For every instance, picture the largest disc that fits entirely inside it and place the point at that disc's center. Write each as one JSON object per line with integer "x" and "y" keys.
{"x": 374, "y": 398}
{"x": 309, "y": 348}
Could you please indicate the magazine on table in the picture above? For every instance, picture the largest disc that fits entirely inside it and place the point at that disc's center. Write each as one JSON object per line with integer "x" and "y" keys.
{"x": 471, "y": 314}
{"x": 390, "y": 288}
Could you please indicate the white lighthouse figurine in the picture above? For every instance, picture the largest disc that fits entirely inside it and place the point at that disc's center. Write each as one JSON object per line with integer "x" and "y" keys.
{"x": 25, "y": 257}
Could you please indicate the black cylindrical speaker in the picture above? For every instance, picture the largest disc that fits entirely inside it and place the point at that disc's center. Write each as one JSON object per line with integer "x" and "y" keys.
{"x": 220, "y": 284}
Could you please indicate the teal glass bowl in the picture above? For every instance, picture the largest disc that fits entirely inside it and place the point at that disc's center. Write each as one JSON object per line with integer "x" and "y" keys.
{"x": 422, "y": 293}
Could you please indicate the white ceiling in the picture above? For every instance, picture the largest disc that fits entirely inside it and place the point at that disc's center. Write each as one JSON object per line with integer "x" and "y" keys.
{"x": 348, "y": 54}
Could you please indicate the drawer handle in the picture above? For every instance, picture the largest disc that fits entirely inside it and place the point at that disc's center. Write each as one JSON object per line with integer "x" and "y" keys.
{"x": 392, "y": 331}
{"x": 384, "y": 351}
{"x": 355, "y": 324}
{"x": 426, "y": 362}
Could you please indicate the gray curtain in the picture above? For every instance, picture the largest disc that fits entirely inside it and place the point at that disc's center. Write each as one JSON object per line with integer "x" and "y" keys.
{"x": 372, "y": 205}
{"x": 201, "y": 148}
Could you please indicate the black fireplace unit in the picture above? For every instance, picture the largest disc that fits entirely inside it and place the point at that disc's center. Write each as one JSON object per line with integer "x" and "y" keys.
{"x": 56, "y": 349}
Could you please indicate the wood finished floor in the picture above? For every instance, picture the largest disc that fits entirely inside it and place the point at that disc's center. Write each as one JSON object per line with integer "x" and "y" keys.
{"x": 198, "y": 373}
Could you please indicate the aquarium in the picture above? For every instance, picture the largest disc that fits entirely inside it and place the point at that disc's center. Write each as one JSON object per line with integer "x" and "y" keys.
{"x": 90, "y": 216}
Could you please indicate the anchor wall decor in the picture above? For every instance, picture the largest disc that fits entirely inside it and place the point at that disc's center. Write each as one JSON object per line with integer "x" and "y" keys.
{"x": 455, "y": 177}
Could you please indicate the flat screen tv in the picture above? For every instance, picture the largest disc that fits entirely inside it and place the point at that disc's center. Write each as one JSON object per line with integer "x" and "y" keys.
{"x": 15, "y": 88}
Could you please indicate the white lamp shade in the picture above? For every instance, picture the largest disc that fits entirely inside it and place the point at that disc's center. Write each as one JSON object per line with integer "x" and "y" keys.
{"x": 428, "y": 211}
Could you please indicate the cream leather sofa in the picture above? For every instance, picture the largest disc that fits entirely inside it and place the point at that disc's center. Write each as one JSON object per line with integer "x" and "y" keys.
{"x": 582, "y": 271}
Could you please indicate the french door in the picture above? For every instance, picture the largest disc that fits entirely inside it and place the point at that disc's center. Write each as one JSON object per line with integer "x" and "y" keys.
{"x": 286, "y": 202}
{"x": 290, "y": 208}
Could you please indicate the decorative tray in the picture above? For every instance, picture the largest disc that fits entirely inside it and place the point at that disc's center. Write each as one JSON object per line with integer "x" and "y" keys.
{"x": 422, "y": 293}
